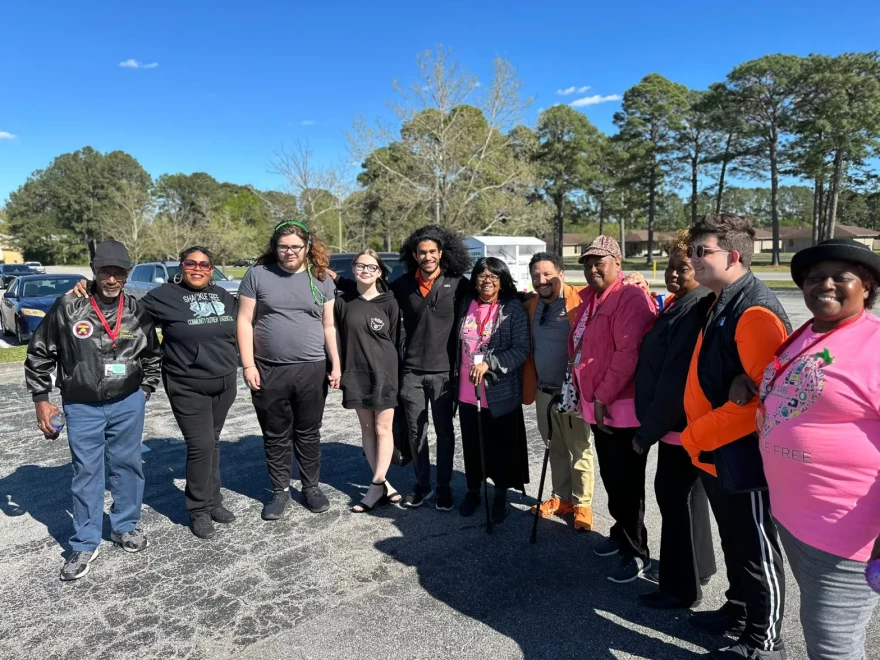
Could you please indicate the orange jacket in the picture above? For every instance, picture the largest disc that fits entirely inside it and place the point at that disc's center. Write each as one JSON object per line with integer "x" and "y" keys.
{"x": 759, "y": 333}
{"x": 530, "y": 376}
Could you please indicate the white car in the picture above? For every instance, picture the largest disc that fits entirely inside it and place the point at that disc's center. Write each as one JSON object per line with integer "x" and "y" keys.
{"x": 36, "y": 266}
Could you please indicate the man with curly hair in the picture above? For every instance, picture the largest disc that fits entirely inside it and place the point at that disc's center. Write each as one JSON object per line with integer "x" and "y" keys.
{"x": 429, "y": 296}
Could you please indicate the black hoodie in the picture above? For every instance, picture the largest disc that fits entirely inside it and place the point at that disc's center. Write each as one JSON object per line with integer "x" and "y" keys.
{"x": 198, "y": 329}
{"x": 368, "y": 332}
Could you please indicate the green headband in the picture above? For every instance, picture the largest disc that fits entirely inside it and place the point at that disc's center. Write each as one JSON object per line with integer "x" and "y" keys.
{"x": 295, "y": 223}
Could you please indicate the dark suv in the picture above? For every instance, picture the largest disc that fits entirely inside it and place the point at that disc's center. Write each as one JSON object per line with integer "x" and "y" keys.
{"x": 9, "y": 272}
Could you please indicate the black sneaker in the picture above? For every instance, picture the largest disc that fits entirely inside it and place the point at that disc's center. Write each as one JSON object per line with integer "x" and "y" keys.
{"x": 77, "y": 565}
{"x": 275, "y": 509}
{"x": 629, "y": 569}
{"x": 202, "y": 525}
{"x": 221, "y": 514}
{"x": 744, "y": 651}
{"x": 314, "y": 500}
{"x": 607, "y": 548}
{"x": 500, "y": 507}
{"x": 729, "y": 620}
{"x": 444, "y": 498}
{"x": 417, "y": 497}
{"x": 471, "y": 502}
{"x": 660, "y": 600}
{"x": 133, "y": 541}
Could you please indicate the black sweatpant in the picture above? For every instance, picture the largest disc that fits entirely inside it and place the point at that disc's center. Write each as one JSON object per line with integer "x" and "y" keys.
{"x": 290, "y": 407}
{"x": 754, "y": 562}
{"x": 623, "y": 475}
{"x": 200, "y": 406}
{"x": 418, "y": 389}
{"x": 686, "y": 550}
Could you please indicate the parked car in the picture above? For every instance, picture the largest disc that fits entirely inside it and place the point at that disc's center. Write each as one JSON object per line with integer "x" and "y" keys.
{"x": 145, "y": 277}
{"x": 28, "y": 299}
{"x": 244, "y": 263}
{"x": 9, "y": 272}
{"x": 36, "y": 266}
{"x": 341, "y": 264}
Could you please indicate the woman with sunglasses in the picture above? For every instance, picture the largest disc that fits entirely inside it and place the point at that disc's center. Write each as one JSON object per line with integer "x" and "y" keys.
{"x": 199, "y": 364}
{"x": 367, "y": 317}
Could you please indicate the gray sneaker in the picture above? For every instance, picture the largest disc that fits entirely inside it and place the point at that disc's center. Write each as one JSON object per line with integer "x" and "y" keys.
{"x": 133, "y": 541}
{"x": 77, "y": 565}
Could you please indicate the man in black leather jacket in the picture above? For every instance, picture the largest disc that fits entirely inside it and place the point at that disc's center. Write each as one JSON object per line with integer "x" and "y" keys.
{"x": 106, "y": 353}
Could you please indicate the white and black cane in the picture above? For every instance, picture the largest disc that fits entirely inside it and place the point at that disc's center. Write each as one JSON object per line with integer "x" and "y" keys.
{"x": 491, "y": 378}
{"x": 554, "y": 401}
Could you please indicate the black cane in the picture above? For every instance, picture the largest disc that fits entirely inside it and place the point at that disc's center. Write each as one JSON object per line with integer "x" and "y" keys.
{"x": 553, "y": 402}
{"x": 491, "y": 378}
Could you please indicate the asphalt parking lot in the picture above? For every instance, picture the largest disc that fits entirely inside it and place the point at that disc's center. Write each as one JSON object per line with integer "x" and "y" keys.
{"x": 399, "y": 584}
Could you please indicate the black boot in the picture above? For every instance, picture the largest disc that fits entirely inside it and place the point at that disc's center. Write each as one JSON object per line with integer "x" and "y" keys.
{"x": 500, "y": 505}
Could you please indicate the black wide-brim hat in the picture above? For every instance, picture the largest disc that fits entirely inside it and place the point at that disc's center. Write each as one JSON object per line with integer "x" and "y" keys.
{"x": 835, "y": 249}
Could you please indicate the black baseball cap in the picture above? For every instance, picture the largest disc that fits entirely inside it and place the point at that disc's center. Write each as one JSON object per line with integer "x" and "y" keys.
{"x": 111, "y": 253}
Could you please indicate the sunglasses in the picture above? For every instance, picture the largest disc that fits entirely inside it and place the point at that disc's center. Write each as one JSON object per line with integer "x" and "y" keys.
{"x": 192, "y": 264}
{"x": 545, "y": 314}
{"x": 700, "y": 251}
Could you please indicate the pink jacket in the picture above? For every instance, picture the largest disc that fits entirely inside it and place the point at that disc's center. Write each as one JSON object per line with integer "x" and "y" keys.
{"x": 610, "y": 350}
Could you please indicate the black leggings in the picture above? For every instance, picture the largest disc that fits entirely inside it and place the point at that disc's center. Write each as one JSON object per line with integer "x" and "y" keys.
{"x": 200, "y": 406}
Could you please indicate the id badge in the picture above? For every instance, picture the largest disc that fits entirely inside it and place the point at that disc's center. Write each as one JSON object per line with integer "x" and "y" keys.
{"x": 114, "y": 370}
{"x": 478, "y": 359}
{"x": 760, "y": 415}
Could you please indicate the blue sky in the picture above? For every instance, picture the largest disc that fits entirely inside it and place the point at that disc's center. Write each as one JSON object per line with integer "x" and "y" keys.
{"x": 217, "y": 86}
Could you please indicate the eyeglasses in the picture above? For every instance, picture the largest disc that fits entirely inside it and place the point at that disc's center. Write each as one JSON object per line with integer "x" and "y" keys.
{"x": 488, "y": 278}
{"x": 370, "y": 268}
{"x": 700, "y": 251}
{"x": 296, "y": 249}
{"x": 192, "y": 264}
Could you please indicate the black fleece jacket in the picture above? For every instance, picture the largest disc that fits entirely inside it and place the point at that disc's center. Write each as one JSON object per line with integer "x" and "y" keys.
{"x": 664, "y": 360}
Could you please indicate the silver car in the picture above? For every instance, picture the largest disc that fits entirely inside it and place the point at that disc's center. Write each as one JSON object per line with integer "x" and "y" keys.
{"x": 145, "y": 277}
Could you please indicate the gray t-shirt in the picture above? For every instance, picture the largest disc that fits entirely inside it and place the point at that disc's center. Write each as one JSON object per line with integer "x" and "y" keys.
{"x": 550, "y": 330}
{"x": 288, "y": 323}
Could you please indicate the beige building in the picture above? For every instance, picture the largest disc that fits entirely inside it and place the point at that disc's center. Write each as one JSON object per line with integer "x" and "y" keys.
{"x": 793, "y": 239}
{"x": 9, "y": 255}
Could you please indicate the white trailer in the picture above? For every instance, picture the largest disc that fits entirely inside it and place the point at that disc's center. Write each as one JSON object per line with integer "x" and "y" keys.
{"x": 515, "y": 251}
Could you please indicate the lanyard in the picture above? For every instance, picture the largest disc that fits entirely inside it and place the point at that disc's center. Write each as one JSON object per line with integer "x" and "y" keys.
{"x": 115, "y": 332}
{"x": 481, "y": 327}
{"x": 781, "y": 368}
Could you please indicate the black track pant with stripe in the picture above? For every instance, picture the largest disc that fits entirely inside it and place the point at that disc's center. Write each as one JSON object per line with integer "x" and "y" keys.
{"x": 754, "y": 562}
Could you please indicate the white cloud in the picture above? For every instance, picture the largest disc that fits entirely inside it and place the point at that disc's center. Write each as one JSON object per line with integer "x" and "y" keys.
{"x": 594, "y": 100}
{"x": 6, "y": 136}
{"x": 307, "y": 122}
{"x": 572, "y": 90}
{"x": 134, "y": 64}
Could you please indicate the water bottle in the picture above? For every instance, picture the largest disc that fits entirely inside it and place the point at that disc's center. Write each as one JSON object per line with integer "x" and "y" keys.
{"x": 57, "y": 421}
{"x": 872, "y": 575}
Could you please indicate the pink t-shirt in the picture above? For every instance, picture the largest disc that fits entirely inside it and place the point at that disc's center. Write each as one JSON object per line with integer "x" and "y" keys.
{"x": 472, "y": 343}
{"x": 820, "y": 439}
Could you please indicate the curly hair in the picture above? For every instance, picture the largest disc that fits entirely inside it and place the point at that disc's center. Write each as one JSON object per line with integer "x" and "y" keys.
{"x": 873, "y": 286}
{"x": 679, "y": 243}
{"x": 497, "y": 267}
{"x": 317, "y": 255}
{"x": 455, "y": 260}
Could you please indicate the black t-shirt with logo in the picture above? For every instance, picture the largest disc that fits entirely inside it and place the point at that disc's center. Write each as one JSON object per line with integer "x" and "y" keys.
{"x": 368, "y": 333}
{"x": 198, "y": 329}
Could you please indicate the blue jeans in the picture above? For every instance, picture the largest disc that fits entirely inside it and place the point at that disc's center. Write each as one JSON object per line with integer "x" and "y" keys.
{"x": 115, "y": 427}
